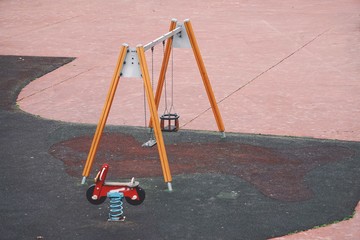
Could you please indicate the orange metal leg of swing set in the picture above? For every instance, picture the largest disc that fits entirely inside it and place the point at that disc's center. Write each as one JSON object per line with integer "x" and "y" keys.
{"x": 201, "y": 67}
{"x": 154, "y": 115}
{"x": 204, "y": 75}
{"x": 105, "y": 113}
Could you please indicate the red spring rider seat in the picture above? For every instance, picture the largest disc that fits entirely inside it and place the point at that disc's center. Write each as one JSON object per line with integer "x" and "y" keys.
{"x": 97, "y": 193}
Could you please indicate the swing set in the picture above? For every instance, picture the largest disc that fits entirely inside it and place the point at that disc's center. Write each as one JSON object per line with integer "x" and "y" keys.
{"x": 132, "y": 63}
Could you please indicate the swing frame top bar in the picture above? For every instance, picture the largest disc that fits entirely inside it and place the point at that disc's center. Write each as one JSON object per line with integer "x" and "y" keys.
{"x": 162, "y": 38}
{"x": 165, "y": 36}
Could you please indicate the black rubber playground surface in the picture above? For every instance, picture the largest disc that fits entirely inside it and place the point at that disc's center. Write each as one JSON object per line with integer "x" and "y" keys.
{"x": 241, "y": 187}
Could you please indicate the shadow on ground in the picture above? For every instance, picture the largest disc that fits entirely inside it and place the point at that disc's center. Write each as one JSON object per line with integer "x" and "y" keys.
{"x": 241, "y": 187}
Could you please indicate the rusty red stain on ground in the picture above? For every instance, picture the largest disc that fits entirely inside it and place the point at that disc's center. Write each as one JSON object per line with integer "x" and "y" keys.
{"x": 274, "y": 174}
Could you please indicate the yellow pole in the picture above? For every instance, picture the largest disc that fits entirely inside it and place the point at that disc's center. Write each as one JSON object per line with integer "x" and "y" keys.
{"x": 154, "y": 115}
{"x": 204, "y": 76}
{"x": 105, "y": 113}
{"x": 164, "y": 66}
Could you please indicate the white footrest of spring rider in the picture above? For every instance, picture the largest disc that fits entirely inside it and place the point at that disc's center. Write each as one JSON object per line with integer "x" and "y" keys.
{"x": 132, "y": 183}
{"x": 150, "y": 143}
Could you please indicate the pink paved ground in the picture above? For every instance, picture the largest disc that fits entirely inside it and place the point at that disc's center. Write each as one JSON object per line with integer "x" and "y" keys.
{"x": 349, "y": 230}
{"x": 276, "y": 67}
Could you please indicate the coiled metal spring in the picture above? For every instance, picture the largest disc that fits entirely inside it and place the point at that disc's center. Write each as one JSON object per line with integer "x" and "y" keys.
{"x": 116, "y": 206}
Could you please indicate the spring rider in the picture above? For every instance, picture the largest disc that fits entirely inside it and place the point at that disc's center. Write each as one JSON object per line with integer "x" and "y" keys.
{"x": 115, "y": 191}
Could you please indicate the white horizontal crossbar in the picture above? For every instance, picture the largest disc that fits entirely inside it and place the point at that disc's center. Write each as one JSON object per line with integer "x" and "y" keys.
{"x": 162, "y": 38}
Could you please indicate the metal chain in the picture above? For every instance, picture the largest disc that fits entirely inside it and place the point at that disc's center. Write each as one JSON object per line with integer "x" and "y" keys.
{"x": 165, "y": 91}
{"x": 145, "y": 123}
{"x": 152, "y": 84}
{"x": 172, "y": 78}
{"x": 144, "y": 93}
{"x": 152, "y": 68}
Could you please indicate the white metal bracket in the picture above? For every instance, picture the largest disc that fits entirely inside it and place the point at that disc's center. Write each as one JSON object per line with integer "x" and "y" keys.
{"x": 131, "y": 66}
{"x": 181, "y": 39}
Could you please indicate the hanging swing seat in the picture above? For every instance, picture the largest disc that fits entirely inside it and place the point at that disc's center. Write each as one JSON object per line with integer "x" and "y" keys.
{"x": 172, "y": 121}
